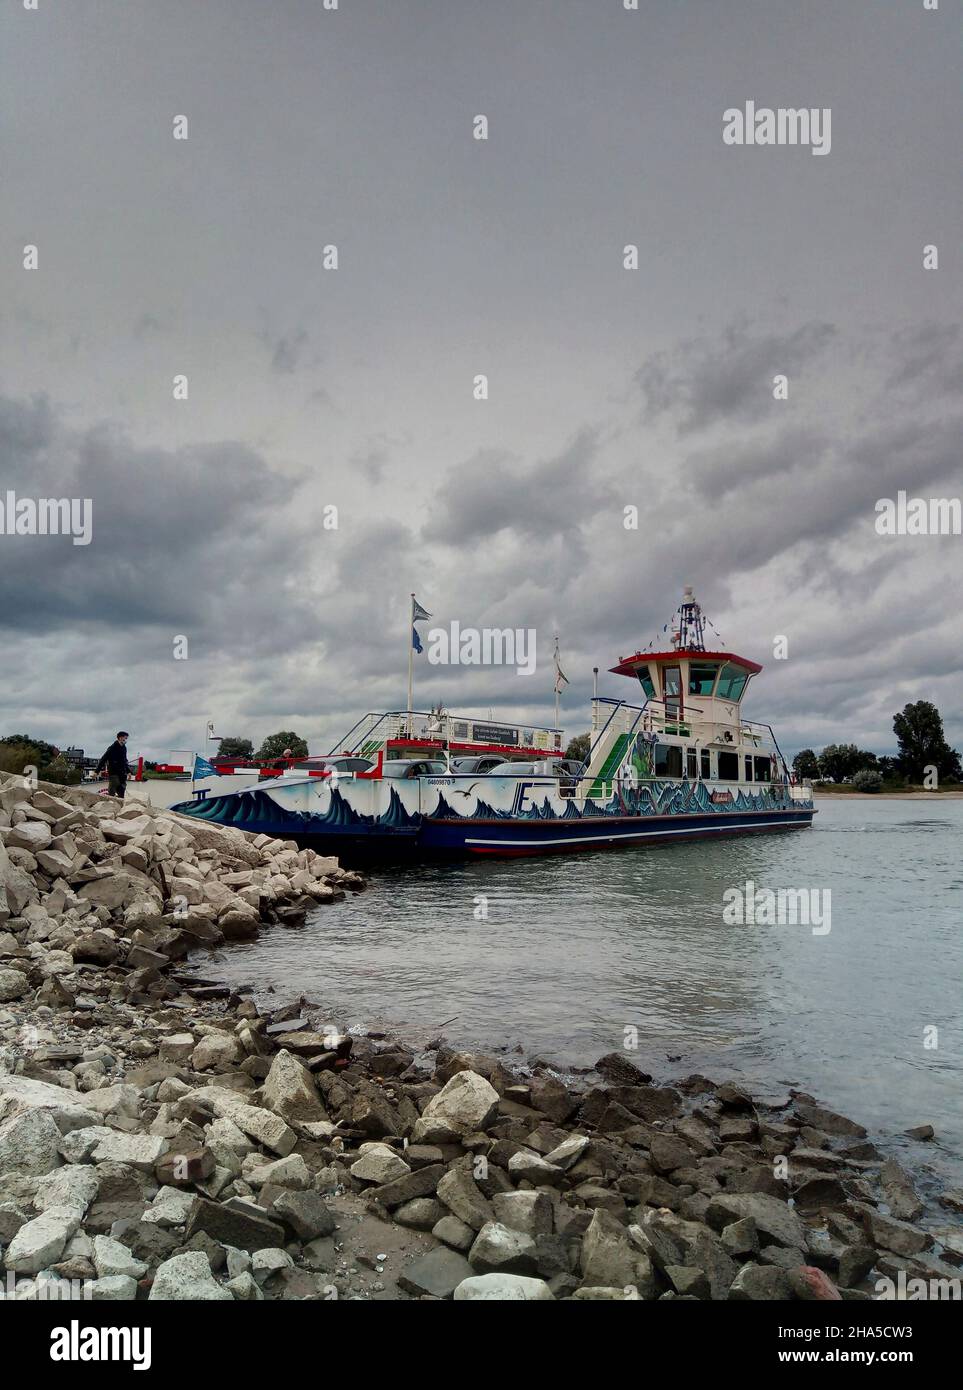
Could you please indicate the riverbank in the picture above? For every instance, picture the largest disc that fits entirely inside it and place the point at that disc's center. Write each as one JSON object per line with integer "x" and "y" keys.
{"x": 163, "y": 1136}
{"x": 829, "y": 793}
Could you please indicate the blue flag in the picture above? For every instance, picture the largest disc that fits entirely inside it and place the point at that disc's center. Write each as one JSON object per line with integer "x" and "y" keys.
{"x": 202, "y": 768}
{"x": 416, "y": 640}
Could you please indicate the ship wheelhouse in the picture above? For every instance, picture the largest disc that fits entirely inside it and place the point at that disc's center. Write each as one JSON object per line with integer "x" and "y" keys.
{"x": 692, "y": 711}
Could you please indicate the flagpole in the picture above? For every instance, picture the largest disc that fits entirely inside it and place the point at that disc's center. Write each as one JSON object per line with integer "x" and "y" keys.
{"x": 557, "y": 670}
{"x": 411, "y": 658}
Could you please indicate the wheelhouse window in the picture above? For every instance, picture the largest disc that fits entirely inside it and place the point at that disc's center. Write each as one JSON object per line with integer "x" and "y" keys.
{"x": 732, "y": 682}
{"x": 702, "y": 678}
{"x": 672, "y": 691}
{"x": 668, "y": 760}
{"x": 691, "y": 770}
{"x": 748, "y": 769}
{"x": 706, "y": 759}
{"x": 763, "y": 770}
{"x": 728, "y": 767}
{"x": 646, "y": 682}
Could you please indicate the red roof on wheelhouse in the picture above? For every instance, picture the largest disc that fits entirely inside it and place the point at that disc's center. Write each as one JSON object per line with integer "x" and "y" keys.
{"x": 627, "y": 666}
{"x": 688, "y": 625}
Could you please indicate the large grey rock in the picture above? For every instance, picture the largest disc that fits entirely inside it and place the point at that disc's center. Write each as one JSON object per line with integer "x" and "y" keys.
{"x": 760, "y": 1282}
{"x": 113, "y": 1288}
{"x": 30, "y": 835}
{"x": 897, "y": 1236}
{"x": 122, "y": 1099}
{"x": 775, "y": 1221}
{"x": 140, "y": 1151}
{"x": 568, "y": 1152}
{"x": 438, "y": 1273}
{"x": 421, "y": 1182}
{"x": 305, "y": 1213}
{"x": 235, "y": 1222}
{"x": 66, "y": 1107}
{"x": 265, "y": 1127}
{"x": 13, "y": 985}
{"x": 900, "y": 1194}
{"x": 461, "y": 1107}
{"x": 40, "y": 1243}
{"x": 528, "y": 1212}
{"x": 828, "y": 1121}
{"x": 215, "y": 1050}
{"x": 291, "y": 1172}
{"x": 452, "y": 1231}
{"x": 290, "y": 1091}
{"x": 29, "y": 1143}
{"x": 498, "y": 1249}
{"x": 609, "y": 1259}
{"x": 508, "y": 1288}
{"x": 461, "y": 1195}
{"x": 379, "y": 1163}
{"x": 111, "y": 1258}
{"x": 532, "y": 1167}
{"x": 95, "y": 948}
{"x": 187, "y": 1277}
{"x": 79, "y": 1144}
{"x": 170, "y": 1208}
{"x": 423, "y": 1214}
{"x": 17, "y": 888}
{"x": 73, "y": 1185}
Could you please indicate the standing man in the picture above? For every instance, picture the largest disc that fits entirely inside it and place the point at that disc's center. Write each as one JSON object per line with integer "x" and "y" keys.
{"x": 118, "y": 768}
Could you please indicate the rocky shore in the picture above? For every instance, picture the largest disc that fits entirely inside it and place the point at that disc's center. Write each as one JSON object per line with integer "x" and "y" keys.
{"x": 161, "y": 1137}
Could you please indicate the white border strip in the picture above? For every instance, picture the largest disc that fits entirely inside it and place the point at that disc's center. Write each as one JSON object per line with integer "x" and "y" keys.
{"x": 633, "y": 835}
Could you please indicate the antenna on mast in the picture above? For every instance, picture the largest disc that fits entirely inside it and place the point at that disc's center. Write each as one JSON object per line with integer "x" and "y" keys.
{"x": 691, "y": 635}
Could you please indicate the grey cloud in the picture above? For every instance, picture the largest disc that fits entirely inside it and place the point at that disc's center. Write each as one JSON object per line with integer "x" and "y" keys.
{"x": 494, "y": 492}
{"x": 288, "y": 352}
{"x": 707, "y": 381}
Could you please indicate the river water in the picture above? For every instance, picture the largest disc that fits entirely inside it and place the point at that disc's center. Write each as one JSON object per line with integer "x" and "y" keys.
{"x": 575, "y": 950}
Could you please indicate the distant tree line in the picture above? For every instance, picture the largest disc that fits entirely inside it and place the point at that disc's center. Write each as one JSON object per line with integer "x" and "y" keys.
{"x": 924, "y": 756}
{"x": 20, "y": 751}
{"x": 272, "y": 747}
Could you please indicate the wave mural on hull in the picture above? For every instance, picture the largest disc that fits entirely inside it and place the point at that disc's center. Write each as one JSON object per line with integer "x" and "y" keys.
{"x": 258, "y": 810}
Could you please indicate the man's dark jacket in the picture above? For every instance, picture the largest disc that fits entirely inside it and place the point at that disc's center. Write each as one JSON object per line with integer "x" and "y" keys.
{"x": 115, "y": 761}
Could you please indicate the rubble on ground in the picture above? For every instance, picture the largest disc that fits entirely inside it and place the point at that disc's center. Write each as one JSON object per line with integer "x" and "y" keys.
{"x": 163, "y": 1137}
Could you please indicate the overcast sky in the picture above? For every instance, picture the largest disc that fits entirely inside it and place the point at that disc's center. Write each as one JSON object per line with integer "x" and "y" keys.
{"x": 458, "y": 257}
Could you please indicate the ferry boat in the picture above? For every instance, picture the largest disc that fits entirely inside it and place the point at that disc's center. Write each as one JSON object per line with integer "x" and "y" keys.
{"x": 681, "y": 765}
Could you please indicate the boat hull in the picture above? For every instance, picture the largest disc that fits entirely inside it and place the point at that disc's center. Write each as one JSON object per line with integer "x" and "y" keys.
{"x": 418, "y": 820}
{"x": 514, "y": 838}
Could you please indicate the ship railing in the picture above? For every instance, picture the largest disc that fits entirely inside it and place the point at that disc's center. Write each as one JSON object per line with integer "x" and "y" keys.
{"x": 658, "y": 718}
{"x": 427, "y": 726}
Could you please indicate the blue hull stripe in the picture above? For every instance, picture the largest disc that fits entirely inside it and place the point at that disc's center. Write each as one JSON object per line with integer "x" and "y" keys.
{"x": 632, "y": 834}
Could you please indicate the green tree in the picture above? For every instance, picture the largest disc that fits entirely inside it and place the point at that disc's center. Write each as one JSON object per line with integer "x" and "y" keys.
{"x": 275, "y": 744}
{"x": 579, "y": 747}
{"x": 236, "y": 748}
{"x": 15, "y": 755}
{"x": 44, "y": 752}
{"x": 838, "y": 761}
{"x": 868, "y": 781}
{"x": 19, "y": 752}
{"x": 805, "y": 764}
{"x": 61, "y": 772}
{"x": 922, "y": 744}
